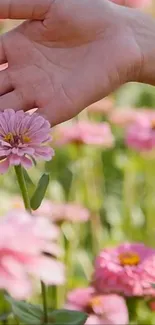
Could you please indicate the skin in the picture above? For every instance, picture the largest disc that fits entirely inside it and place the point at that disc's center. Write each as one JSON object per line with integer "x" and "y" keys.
{"x": 69, "y": 54}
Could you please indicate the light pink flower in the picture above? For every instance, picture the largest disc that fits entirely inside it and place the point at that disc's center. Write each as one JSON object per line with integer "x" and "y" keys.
{"x": 84, "y": 132}
{"x": 23, "y": 242}
{"x": 128, "y": 269}
{"x": 22, "y": 137}
{"x": 56, "y": 212}
{"x": 122, "y": 117}
{"x": 102, "y": 309}
{"x": 134, "y": 3}
{"x": 141, "y": 134}
{"x": 103, "y": 106}
{"x": 59, "y": 212}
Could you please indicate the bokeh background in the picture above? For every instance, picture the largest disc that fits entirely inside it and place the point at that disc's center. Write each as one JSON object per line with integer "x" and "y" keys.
{"x": 114, "y": 184}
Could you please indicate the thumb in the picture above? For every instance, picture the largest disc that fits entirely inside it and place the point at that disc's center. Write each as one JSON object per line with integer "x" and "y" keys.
{"x": 24, "y": 9}
{"x": 132, "y": 3}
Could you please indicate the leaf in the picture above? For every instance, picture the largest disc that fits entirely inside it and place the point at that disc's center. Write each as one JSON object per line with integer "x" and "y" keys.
{"x": 27, "y": 313}
{"x": 68, "y": 317}
{"x": 40, "y": 191}
{"x": 153, "y": 285}
{"x": 27, "y": 177}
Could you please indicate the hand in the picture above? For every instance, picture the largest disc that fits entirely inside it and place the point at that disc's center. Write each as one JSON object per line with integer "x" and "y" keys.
{"x": 67, "y": 54}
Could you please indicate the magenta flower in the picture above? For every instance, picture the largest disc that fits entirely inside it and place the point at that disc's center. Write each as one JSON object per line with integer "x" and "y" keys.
{"x": 128, "y": 269}
{"x": 23, "y": 242}
{"x": 141, "y": 134}
{"x": 102, "y": 309}
{"x": 59, "y": 212}
{"x": 84, "y": 132}
{"x": 22, "y": 137}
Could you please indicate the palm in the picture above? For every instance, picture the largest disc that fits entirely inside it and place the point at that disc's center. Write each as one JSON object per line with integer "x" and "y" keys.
{"x": 63, "y": 69}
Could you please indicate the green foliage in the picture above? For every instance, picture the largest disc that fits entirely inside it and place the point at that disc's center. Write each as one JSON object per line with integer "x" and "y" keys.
{"x": 30, "y": 314}
{"x": 40, "y": 192}
{"x": 68, "y": 317}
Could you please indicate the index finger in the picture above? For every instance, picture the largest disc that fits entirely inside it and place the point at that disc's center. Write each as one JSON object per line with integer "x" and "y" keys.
{"x": 24, "y": 9}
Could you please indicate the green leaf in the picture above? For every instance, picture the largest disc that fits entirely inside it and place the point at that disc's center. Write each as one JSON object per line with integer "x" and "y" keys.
{"x": 153, "y": 285}
{"x": 27, "y": 177}
{"x": 27, "y": 313}
{"x": 40, "y": 191}
{"x": 66, "y": 317}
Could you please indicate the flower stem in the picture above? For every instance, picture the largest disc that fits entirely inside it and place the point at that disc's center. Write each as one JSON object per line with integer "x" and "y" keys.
{"x": 43, "y": 290}
{"x": 26, "y": 200}
{"x": 23, "y": 187}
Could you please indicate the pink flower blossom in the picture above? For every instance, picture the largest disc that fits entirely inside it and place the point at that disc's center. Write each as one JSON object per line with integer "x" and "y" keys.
{"x": 103, "y": 106}
{"x": 134, "y": 3}
{"x": 22, "y": 137}
{"x": 140, "y": 135}
{"x": 128, "y": 269}
{"x": 56, "y": 212}
{"x": 59, "y": 212}
{"x": 84, "y": 132}
{"x": 23, "y": 242}
{"x": 102, "y": 309}
{"x": 122, "y": 117}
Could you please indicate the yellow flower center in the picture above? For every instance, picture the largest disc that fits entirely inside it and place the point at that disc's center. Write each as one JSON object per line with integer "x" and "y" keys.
{"x": 8, "y": 137}
{"x": 26, "y": 139}
{"x": 17, "y": 205}
{"x": 153, "y": 124}
{"x": 95, "y": 301}
{"x": 129, "y": 258}
{"x": 16, "y": 139}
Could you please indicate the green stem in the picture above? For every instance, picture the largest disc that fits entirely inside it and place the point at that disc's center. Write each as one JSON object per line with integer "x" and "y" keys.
{"x": 43, "y": 290}
{"x": 23, "y": 187}
{"x": 149, "y": 202}
{"x": 26, "y": 200}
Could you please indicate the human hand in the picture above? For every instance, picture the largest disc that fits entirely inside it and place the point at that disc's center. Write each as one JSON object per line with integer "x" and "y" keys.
{"x": 68, "y": 54}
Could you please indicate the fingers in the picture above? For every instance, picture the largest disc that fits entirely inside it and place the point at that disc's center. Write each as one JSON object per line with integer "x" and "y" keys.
{"x": 132, "y": 3}
{"x": 5, "y": 83}
{"x": 24, "y": 9}
{"x": 16, "y": 100}
{"x": 3, "y": 58}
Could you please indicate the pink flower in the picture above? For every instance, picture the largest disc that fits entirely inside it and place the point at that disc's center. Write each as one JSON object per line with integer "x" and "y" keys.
{"x": 134, "y": 3}
{"x": 103, "y": 106}
{"x": 84, "y": 132}
{"x": 22, "y": 137}
{"x": 102, "y": 309}
{"x": 23, "y": 242}
{"x": 128, "y": 269}
{"x": 59, "y": 212}
{"x": 56, "y": 212}
{"x": 141, "y": 134}
{"x": 122, "y": 117}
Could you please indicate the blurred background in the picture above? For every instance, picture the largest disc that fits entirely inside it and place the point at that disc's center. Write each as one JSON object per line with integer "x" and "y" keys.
{"x": 102, "y": 191}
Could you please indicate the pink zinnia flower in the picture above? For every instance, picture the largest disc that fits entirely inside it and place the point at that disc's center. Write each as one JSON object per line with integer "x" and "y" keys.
{"x": 59, "y": 212}
{"x": 103, "y": 106}
{"x": 23, "y": 242}
{"x": 22, "y": 137}
{"x": 128, "y": 269}
{"x": 141, "y": 134}
{"x": 102, "y": 309}
{"x": 122, "y": 117}
{"x": 84, "y": 132}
